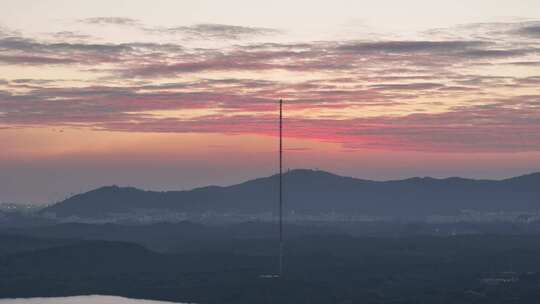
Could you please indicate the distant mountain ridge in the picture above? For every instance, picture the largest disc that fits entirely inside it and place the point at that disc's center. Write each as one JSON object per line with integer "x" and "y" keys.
{"x": 316, "y": 192}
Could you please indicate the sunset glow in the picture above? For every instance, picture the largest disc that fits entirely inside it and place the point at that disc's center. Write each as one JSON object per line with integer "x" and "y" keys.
{"x": 111, "y": 93}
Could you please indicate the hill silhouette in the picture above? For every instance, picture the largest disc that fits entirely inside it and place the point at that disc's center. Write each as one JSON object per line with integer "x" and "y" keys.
{"x": 320, "y": 269}
{"x": 316, "y": 192}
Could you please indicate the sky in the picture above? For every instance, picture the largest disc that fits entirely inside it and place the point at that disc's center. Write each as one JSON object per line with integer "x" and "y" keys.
{"x": 171, "y": 95}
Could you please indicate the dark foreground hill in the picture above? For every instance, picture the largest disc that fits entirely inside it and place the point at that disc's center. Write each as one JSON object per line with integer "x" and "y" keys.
{"x": 161, "y": 237}
{"x": 478, "y": 269}
{"x": 316, "y": 192}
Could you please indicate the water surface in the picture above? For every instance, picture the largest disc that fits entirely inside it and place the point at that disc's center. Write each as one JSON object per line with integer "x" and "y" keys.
{"x": 81, "y": 300}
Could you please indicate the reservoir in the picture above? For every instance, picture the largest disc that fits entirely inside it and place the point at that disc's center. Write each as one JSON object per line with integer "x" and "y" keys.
{"x": 93, "y": 299}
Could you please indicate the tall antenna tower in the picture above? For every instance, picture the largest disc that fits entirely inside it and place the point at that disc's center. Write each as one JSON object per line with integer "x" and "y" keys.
{"x": 280, "y": 188}
{"x": 280, "y": 212}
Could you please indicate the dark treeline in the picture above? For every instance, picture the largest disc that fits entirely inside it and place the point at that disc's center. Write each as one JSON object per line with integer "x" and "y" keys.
{"x": 223, "y": 264}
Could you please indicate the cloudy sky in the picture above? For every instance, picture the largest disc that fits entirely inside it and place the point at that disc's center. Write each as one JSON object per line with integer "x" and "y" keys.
{"x": 170, "y": 94}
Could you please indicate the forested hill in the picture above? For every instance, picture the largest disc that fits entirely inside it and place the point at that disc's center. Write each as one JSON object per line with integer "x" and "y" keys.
{"x": 315, "y": 192}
